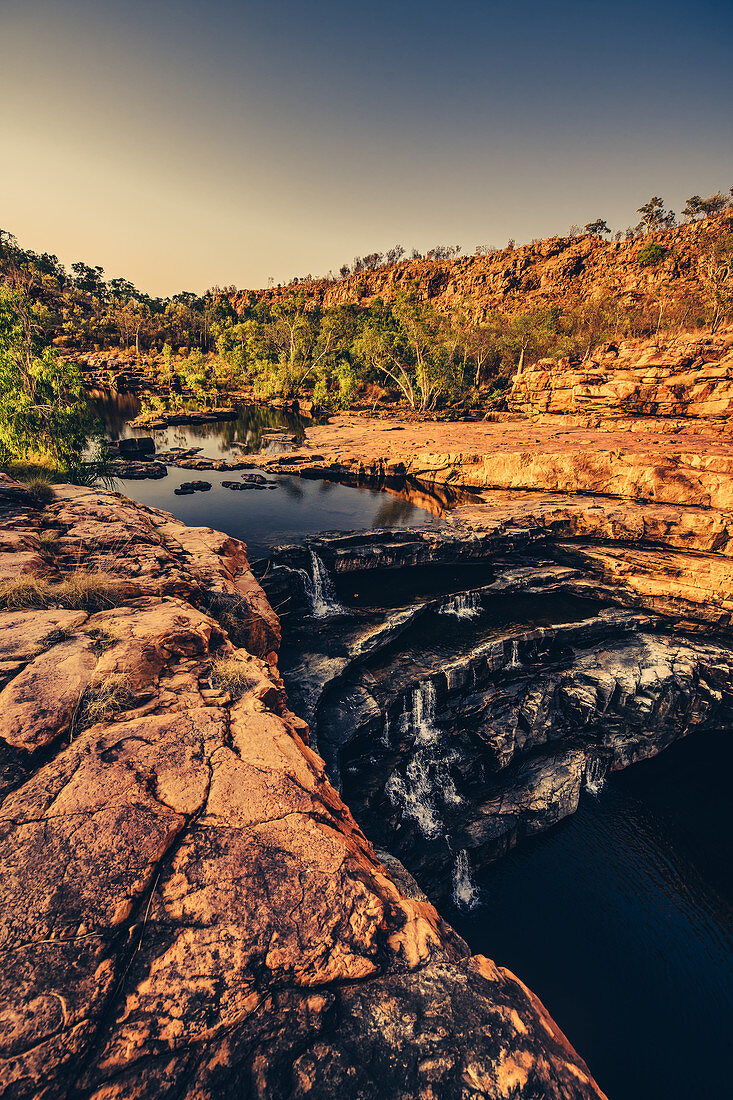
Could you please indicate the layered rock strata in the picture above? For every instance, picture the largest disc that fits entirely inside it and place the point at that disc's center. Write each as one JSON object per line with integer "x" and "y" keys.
{"x": 467, "y": 745}
{"x": 467, "y": 720}
{"x": 189, "y": 909}
{"x": 691, "y": 377}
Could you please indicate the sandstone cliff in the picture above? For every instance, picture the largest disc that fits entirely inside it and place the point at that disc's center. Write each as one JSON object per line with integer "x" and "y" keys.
{"x": 189, "y": 910}
{"x": 688, "y": 377}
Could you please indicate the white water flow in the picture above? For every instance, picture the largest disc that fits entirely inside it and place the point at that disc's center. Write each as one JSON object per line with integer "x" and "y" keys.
{"x": 465, "y": 891}
{"x": 466, "y": 606}
{"x": 320, "y": 590}
{"x": 595, "y": 776}
{"x": 514, "y": 661}
{"x": 427, "y": 785}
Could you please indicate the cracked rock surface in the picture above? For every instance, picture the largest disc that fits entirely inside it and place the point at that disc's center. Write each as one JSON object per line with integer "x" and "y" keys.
{"x": 189, "y": 909}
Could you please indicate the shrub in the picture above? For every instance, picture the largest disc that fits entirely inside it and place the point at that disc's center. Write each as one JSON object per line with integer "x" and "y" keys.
{"x": 652, "y": 253}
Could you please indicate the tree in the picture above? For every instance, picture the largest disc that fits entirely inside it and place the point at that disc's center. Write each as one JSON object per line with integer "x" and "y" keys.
{"x": 41, "y": 409}
{"x": 716, "y": 276}
{"x": 692, "y": 208}
{"x": 654, "y": 217}
{"x": 596, "y": 228}
{"x": 89, "y": 279}
{"x": 129, "y": 315}
{"x": 713, "y": 204}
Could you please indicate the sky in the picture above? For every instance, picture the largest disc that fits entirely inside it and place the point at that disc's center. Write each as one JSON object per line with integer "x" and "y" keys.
{"x": 191, "y": 144}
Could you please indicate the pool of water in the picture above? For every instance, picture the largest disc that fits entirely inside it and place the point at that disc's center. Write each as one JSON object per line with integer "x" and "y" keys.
{"x": 292, "y": 511}
{"x": 621, "y": 920}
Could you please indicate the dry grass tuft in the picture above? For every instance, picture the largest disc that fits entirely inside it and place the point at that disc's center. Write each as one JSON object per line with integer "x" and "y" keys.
{"x": 233, "y": 674}
{"x": 48, "y": 537}
{"x": 24, "y": 591}
{"x": 40, "y": 490}
{"x": 82, "y": 590}
{"x": 89, "y": 590}
{"x": 101, "y": 701}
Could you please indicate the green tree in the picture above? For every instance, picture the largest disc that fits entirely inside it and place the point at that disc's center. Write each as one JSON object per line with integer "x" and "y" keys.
{"x": 654, "y": 217}
{"x": 41, "y": 405}
{"x": 597, "y": 228}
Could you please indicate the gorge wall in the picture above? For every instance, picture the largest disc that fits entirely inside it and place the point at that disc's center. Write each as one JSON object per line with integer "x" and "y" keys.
{"x": 189, "y": 909}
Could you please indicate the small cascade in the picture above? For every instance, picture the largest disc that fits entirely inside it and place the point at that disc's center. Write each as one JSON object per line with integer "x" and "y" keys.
{"x": 384, "y": 739}
{"x": 320, "y": 591}
{"x": 595, "y": 776}
{"x": 423, "y": 713}
{"x": 465, "y": 891}
{"x": 465, "y": 606}
{"x": 427, "y": 783}
{"x": 514, "y": 661}
{"x": 415, "y": 795}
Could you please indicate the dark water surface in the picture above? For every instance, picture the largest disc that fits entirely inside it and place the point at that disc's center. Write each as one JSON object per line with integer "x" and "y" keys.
{"x": 264, "y": 518}
{"x": 621, "y": 920}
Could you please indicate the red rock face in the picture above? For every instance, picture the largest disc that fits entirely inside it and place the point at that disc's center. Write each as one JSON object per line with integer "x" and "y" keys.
{"x": 189, "y": 910}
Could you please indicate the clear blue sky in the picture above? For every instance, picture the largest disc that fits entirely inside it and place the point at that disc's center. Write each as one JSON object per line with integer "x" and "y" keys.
{"x": 186, "y": 144}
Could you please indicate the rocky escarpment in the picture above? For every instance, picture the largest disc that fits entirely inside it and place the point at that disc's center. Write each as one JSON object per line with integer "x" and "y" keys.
{"x": 190, "y": 910}
{"x": 535, "y": 275}
{"x": 691, "y": 377}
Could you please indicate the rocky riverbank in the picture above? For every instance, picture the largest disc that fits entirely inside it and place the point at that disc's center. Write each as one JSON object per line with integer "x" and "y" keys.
{"x": 190, "y": 910}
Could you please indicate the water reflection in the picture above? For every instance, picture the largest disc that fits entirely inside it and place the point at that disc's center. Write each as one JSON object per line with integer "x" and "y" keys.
{"x": 295, "y": 509}
{"x": 246, "y": 434}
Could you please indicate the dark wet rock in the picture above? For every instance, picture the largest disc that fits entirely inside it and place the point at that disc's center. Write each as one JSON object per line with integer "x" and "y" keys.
{"x": 137, "y": 445}
{"x": 188, "y": 487}
{"x": 447, "y": 732}
{"x": 138, "y": 470}
{"x": 236, "y": 485}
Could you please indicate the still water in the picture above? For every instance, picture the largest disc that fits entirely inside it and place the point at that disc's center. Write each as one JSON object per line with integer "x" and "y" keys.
{"x": 262, "y": 518}
{"x": 621, "y": 920}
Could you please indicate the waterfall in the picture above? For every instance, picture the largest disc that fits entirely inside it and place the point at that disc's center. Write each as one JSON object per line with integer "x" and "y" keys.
{"x": 427, "y": 782}
{"x": 415, "y": 795}
{"x": 465, "y": 891}
{"x": 423, "y": 713}
{"x": 514, "y": 661}
{"x": 320, "y": 591}
{"x": 384, "y": 739}
{"x": 595, "y": 776}
{"x": 466, "y": 606}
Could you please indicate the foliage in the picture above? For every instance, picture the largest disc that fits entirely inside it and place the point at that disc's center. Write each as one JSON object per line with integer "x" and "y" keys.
{"x": 716, "y": 276}
{"x": 654, "y": 216}
{"x": 196, "y": 347}
{"x": 597, "y": 228}
{"x": 41, "y": 403}
{"x": 652, "y": 253}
